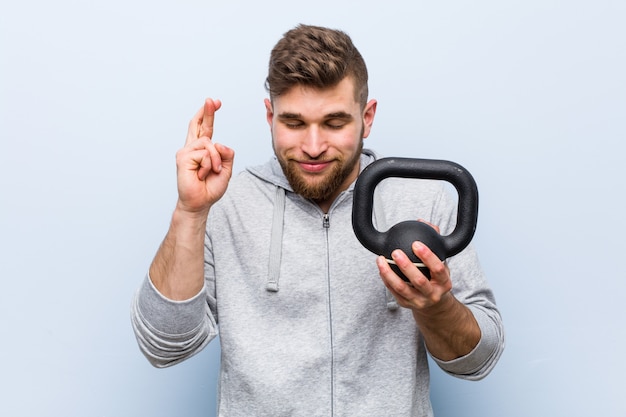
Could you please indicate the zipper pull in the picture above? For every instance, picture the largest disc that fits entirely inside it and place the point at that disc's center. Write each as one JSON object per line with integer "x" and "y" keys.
{"x": 326, "y": 222}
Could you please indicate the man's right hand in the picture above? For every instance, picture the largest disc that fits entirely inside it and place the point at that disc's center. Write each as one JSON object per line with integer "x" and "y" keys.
{"x": 203, "y": 171}
{"x": 203, "y": 167}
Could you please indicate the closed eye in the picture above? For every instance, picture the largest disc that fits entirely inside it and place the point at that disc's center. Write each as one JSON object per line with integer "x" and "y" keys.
{"x": 293, "y": 124}
{"x": 338, "y": 120}
{"x": 291, "y": 120}
{"x": 336, "y": 123}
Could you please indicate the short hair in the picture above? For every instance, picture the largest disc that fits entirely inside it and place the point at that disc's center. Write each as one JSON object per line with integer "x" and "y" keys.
{"x": 315, "y": 57}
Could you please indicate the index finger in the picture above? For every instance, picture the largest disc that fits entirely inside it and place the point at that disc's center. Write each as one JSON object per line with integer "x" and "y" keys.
{"x": 208, "y": 116}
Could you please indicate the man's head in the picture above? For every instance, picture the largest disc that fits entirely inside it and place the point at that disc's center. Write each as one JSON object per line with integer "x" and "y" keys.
{"x": 316, "y": 57}
{"x": 318, "y": 112}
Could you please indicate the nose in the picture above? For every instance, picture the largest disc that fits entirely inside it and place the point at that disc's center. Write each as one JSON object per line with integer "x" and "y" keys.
{"x": 314, "y": 143}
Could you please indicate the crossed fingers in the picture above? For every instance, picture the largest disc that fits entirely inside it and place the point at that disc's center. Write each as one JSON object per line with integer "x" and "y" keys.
{"x": 203, "y": 151}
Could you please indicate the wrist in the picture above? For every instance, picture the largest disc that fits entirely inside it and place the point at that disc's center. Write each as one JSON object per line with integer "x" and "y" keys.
{"x": 446, "y": 303}
{"x": 183, "y": 212}
{"x": 189, "y": 222}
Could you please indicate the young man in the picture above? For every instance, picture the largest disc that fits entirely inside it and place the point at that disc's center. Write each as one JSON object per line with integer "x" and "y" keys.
{"x": 309, "y": 320}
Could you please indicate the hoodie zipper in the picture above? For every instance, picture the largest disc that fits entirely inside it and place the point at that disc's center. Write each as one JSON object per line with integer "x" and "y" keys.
{"x": 326, "y": 226}
{"x": 326, "y": 221}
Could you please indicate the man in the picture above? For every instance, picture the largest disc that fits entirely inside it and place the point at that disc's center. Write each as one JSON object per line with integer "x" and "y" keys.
{"x": 308, "y": 319}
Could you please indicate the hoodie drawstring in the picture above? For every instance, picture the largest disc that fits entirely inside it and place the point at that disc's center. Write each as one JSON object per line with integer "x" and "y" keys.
{"x": 276, "y": 240}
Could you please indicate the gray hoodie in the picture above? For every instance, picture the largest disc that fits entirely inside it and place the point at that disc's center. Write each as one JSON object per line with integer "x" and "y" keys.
{"x": 306, "y": 326}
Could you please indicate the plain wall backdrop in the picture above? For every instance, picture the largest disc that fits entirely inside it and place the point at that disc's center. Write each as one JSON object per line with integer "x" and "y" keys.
{"x": 95, "y": 98}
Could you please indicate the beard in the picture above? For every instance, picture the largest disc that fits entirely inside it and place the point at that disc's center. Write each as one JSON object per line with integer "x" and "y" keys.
{"x": 319, "y": 187}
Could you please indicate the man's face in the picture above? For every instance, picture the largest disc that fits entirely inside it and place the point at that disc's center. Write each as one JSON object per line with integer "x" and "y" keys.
{"x": 317, "y": 137}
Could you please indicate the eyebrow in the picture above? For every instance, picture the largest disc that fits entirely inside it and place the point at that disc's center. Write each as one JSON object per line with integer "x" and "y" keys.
{"x": 339, "y": 115}
{"x": 289, "y": 116}
{"x": 335, "y": 115}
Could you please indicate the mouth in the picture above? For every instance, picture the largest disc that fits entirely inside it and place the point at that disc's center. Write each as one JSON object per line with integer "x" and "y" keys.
{"x": 313, "y": 166}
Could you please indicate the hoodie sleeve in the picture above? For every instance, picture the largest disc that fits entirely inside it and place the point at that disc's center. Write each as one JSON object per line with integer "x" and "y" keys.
{"x": 170, "y": 331}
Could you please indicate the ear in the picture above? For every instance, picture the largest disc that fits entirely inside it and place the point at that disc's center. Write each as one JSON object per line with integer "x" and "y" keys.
{"x": 368, "y": 117}
{"x": 269, "y": 112}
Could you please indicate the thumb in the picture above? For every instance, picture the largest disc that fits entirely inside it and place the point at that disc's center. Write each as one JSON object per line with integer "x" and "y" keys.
{"x": 227, "y": 155}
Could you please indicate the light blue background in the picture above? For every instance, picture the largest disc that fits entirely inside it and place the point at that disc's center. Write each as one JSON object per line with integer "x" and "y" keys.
{"x": 95, "y": 99}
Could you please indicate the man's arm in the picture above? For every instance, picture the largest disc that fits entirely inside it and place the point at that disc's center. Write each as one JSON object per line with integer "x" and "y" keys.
{"x": 171, "y": 319}
{"x": 177, "y": 270}
{"x": 203, "y": 171}
{"x": 449, "y": 327}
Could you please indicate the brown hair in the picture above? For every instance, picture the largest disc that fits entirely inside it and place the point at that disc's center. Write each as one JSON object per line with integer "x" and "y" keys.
{"x": 316, "y": 57}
